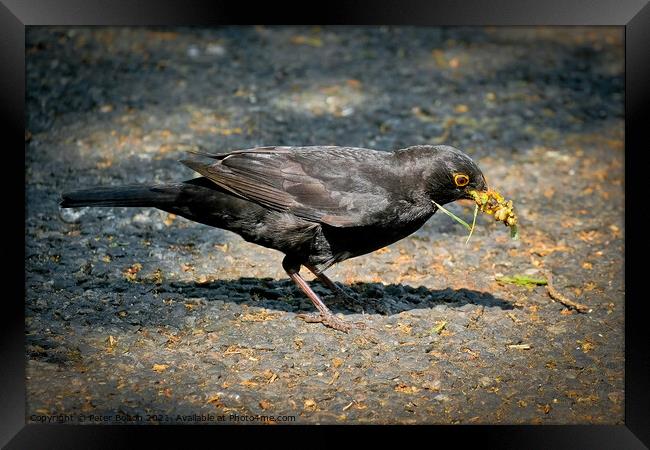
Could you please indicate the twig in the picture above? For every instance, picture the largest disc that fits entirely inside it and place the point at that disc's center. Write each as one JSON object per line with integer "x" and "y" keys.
{"x": 555, "y": 295}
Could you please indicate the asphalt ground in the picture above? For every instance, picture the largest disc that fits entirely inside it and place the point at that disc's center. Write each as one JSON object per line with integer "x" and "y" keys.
{"x": 137, "y": 316}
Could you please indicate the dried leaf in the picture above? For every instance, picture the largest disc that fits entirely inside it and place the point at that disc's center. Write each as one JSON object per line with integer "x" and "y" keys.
{"x": 260, "y": 316}
{"x": 405, "y": 389}
{"x": 519, "y": 346}
{"x": 159, "y": 367}
{"x": 112, "y": 343}
{"x": 170, "y": 219}
{"x": 313, "y": 41}
{"x": 440, "y": 325}
{"x": 130, "y": 273}
{"x": 215, "y": 400}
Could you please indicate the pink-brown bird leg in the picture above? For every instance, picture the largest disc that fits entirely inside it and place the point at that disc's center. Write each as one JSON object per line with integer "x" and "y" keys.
{"x": 325, "y": 316}
{"x": 343, "y": 296}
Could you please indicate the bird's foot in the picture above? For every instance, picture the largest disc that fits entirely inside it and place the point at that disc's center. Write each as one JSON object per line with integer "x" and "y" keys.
{"x": 330, "y": 320}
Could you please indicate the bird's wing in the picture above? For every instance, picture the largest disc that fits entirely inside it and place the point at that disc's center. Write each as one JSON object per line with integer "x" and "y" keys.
{"x": 330, "y": 185}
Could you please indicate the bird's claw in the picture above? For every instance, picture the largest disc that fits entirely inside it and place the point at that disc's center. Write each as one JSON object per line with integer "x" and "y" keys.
{"x": 330, "y": 320}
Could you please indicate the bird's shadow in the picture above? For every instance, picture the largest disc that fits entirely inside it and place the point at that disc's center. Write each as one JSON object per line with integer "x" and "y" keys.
{"x": 279, "y": 295}
{"x": 369, "y": 298}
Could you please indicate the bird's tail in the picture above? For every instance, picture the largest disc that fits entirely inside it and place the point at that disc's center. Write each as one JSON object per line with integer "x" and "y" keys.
{"x": 133, "y": 195}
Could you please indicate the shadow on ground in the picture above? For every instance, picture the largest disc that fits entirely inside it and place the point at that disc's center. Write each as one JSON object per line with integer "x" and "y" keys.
{"x": 282, "y": 295}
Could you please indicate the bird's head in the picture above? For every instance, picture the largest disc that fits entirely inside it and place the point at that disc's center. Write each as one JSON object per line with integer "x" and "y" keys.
{"x": 452, "y": 175}
{"x": 449, "y": 175}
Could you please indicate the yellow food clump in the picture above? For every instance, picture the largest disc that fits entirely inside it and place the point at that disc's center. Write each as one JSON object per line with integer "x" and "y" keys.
{"x": 491, "y": 202}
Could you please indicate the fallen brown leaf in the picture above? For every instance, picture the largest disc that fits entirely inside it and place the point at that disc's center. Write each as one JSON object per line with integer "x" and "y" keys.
{"x": 405, "y": 389}
{"x": 159, "y": 367}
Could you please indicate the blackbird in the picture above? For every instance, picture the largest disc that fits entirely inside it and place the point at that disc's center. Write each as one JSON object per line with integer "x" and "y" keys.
{"x": 318, "y": 205}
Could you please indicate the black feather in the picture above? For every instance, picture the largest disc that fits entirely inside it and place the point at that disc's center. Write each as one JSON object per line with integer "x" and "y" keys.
{"x": 135, "y": 195}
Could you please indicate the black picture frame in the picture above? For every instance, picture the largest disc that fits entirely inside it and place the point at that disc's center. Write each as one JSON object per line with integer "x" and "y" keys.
{"x": 634, "y": 15}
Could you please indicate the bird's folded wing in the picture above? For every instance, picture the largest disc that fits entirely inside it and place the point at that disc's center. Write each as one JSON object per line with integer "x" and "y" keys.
{"x": 326, "y": 186}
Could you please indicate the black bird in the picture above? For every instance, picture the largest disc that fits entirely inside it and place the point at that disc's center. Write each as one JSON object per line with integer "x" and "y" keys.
{"x": 318, "y": 205}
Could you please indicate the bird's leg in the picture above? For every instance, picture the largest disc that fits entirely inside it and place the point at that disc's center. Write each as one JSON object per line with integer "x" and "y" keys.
{"x": 346, "y": 298}
{"x": 325, "y": 316}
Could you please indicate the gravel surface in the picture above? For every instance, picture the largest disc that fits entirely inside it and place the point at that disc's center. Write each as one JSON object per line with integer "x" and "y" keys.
{"x": 137, "y": 316}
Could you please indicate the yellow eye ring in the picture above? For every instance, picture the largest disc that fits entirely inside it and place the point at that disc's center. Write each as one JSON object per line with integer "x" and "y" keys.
{"x": 461, "y": 179}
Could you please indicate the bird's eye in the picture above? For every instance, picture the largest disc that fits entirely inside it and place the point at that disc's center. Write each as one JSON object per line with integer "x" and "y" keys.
{"x": 461, "y": 179}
